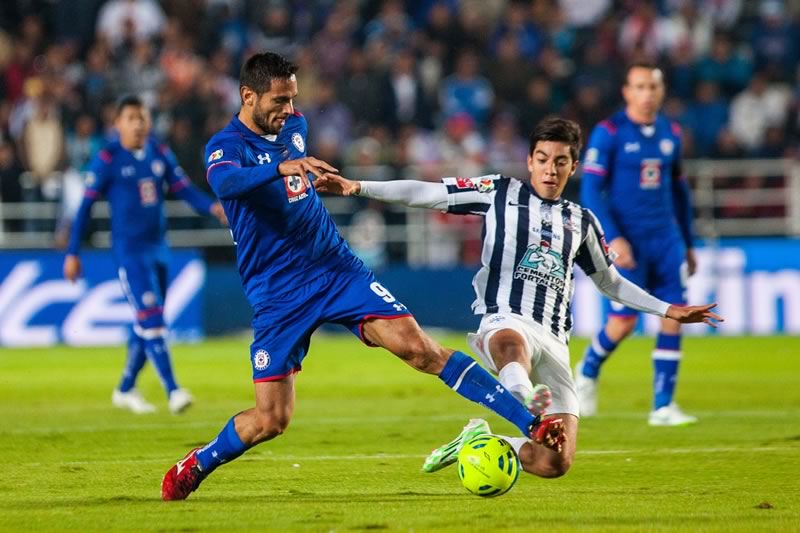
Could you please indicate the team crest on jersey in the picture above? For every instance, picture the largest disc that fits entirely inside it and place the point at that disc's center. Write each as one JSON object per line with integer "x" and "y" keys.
{"x": 149, "y": 298}
{"x": 464, "y": 184}
{"x": 157, "y": 167}
{"x": 216, "y": 154}
{"x": 298, "y": 142}
{"x": 666, "y": 146}
{"x": 261, "y": 359}
{"x": 486, "y": 185}
{"x": 541, "y": 264}
{"x": 296, "y": 188}
{"x": 591, "y": 155}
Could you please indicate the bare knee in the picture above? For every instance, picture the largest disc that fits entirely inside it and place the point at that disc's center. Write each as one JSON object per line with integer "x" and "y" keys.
{"x": 508, "y": 346}
{"x": 270, "y": 424}
{"x": 422, "y": 353}
{"x": 556, "y": 467}
{"x": 619, "y": 327}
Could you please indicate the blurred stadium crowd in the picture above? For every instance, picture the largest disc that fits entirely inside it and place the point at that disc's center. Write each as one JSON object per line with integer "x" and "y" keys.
{"x": 428, "y": 84}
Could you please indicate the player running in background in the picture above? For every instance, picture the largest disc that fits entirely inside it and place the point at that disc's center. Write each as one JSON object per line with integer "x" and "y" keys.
{"x": 132, "y": 173}
{"x": 298, "y": 273}
{"x": 533, "y": 239}
{"x": 632, "y": 181}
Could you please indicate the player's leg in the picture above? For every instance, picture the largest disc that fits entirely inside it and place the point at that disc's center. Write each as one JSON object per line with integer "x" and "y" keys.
{"x": 125, "y": 396}
{"x": 268, "y": 419}
{"x": 139, "y": 283}
{"x": 671, "y": 277}
{"x": 404, "y": 338}
{"x": 621, "y": 322}
{"x": 510, "y": 356}
{"x": 552, "y": 367}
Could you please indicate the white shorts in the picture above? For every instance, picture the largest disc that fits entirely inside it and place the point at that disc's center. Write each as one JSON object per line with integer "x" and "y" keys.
{"x": 549, "y": 356}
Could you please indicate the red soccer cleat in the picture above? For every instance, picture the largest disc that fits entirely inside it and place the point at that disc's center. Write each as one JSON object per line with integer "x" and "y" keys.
{"x": 183, "y": 478}
{"x": 549, "y": 433}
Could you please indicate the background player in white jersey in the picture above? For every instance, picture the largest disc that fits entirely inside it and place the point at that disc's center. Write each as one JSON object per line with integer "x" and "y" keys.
{"x": 533, "y": 237}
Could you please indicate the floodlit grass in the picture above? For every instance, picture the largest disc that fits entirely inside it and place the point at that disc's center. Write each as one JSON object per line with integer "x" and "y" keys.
{"x": 363, "y": 423}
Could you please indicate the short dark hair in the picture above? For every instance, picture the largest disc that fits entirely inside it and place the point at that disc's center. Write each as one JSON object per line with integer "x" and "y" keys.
{"x": 638, "y": 64}
{"x": 558, "y": 130}
{"x": 129, "y": 100}
{"x": 259, "y": 71}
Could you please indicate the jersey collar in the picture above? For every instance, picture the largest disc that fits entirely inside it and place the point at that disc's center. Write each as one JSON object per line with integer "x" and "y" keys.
{"x": 558, "y": 201}
{"x": 239, "y": 126}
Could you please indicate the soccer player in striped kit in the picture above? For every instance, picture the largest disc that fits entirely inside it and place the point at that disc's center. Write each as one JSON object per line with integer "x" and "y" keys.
{"x": 533, "y": 238}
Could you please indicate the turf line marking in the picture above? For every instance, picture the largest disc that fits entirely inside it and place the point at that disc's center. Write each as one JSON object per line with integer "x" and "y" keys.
{"x": 378, "y": 457}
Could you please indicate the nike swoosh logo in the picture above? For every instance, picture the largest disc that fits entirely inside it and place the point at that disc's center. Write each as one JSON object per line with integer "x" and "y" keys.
{"x": 514, "y": 204}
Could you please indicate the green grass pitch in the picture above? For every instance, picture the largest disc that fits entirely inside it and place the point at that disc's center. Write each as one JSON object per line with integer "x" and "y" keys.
{"x": 363, "y": 423}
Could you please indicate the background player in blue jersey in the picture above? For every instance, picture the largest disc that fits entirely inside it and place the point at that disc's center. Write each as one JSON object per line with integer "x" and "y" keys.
{"x": 298, "y": 273}
{"x": 132, "y": 173}
{"x": 632, "y": 181}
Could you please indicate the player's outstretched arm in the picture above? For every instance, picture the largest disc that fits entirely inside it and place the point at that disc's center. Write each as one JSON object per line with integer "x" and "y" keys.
{"x": 694, "y": 314}
{"x": 410, "y": 193}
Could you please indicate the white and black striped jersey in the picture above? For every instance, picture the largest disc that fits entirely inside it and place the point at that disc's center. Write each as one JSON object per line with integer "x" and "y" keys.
{"x": 529, "y": 248}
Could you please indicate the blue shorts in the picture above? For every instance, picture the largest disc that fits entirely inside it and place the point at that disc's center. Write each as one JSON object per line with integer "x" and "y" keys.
{"x": 660, "y": 269}
{"x": 144, "y": 283}
{"x": 282, "y": 329}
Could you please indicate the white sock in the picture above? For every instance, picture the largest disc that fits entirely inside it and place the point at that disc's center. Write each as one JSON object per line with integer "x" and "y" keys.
{"x": 516, "y": 381}
{"x": 516, "y": 442}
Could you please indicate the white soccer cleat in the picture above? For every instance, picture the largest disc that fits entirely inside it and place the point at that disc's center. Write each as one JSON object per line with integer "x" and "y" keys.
{"x": 132, "y": 401}
{"x": 587, "y": 393}
{"x": 179, "y": 401}
{"x": 539, "y": 400}
{"x": 670, "y": 415}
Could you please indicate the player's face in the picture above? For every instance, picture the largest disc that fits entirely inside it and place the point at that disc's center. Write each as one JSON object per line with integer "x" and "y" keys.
{"x": 644, "y": 91}
{"x": 272, "y": 108}
{"x": 550, "y": 165}
{"x": 133, "y": 125}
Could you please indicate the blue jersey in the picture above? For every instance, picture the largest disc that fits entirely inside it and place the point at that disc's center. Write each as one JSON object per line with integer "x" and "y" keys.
{"x": 632, "y": 179}
{"x": 135, "y": 183}
{"x": 284, "y": 236}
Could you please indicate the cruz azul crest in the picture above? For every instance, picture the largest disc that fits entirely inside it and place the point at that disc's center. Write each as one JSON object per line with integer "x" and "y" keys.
{"x": 542, "y": 264}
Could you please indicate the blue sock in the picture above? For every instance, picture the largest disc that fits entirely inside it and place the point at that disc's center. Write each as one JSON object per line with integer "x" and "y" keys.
{"x": 666, "y": 358}
{"x": 596, "y": 354}
{"x": 463, "y": 374}
{"x": 158, "y": 353}
{"x": 225, "y": 448}
{"x": 134, "y": 362}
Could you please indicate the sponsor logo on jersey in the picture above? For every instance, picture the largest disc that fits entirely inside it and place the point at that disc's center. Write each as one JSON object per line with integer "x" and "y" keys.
{"x": 265, "y": 158}
{"x": 298, "y": 142}
{"x": 541, "y": 264}
{"x": 591, "y": 155}
{"x": 464, "y": 184}
{"x": 486, "y": 185}
{"x": 650, "y": 176}
{"x": 296, "y": 188}
{"x": 157, "y": 167}
{"x": 149, "y": 298}
{"x": 631, "y": 147}
{"x": 216, "y": 154}
{"x": 261, "y": 359}
{"x": 666, "y": 146}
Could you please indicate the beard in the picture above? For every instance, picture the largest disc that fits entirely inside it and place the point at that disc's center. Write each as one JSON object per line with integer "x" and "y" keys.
{"x": 262, "y": 121}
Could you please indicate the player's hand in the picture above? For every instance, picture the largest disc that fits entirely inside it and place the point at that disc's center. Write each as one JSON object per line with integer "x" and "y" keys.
{"x": 304, "y": 165}
{"x": 335, "y": 184}
{"x": 691, "y": 261}
{"x": 72, "y": 267}
{"x": 624, "y": 252}
{"x": 694, "y": 314}
{"x": 218, "y": 212}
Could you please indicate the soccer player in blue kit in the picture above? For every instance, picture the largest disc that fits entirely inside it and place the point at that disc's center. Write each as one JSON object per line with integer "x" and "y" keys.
{"x": 632, "y": 181}
{"x": 132, "y": 173}
{"x": 298, "y": 273}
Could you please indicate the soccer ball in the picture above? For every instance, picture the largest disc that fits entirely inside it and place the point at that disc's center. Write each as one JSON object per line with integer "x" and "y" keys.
{"x": 488, "y": 466}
